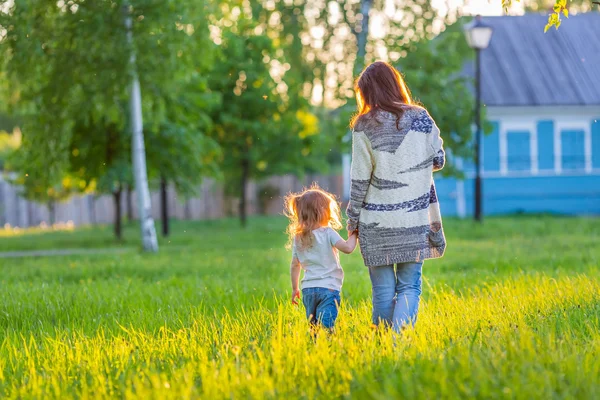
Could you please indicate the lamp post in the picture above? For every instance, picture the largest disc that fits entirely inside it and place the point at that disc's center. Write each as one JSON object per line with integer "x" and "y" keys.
{"x": 478, "y": 36}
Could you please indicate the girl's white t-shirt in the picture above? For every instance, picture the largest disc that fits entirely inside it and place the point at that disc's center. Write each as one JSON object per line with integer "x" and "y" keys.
{"x": 321, "y": 261}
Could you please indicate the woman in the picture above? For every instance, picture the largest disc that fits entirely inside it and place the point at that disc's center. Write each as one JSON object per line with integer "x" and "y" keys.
{"x": 395, "y": 148}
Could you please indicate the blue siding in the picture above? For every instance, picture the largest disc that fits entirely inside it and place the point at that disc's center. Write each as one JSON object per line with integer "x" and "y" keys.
{"x": 518, "y": 149}
{"x": 573, "y": 153}
{"x": 446, "y": 191}
{"x": 491, "y": 149}
{"x": 596, "y": 143}
{"x": 554, "y": 194}
{"x": 575, "y": 192}
{"x": 545, "y": 133}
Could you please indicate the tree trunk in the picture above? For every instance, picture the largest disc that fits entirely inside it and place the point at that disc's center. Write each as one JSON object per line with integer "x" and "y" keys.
{"x": 129, "y": 204}
{"x": 244, "y": 183}
{"x": 52, "y": 212}
{"x": 138, "y": 150}
{"x": 117, "y": 222}
{"x": 164, "y": 210}
{"x": 92, "y": 208}
{"x": 362, "y": 36}
{"x": 187, "y": 212}
{"x": 30, "y": 221}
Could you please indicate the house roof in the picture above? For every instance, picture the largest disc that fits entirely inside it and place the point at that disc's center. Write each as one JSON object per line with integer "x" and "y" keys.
{"x": 523, "y": 66}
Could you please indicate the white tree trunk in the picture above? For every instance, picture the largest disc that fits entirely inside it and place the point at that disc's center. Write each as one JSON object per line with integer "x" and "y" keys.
{"x": 139, "y": 154}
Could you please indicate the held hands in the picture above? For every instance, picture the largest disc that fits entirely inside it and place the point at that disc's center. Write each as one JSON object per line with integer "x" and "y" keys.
{"x": 295, "y": 296}
{"x": 347, "y": 246}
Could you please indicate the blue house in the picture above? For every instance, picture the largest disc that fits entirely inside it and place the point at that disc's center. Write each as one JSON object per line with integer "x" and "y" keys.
{"x": 541, "y": 92}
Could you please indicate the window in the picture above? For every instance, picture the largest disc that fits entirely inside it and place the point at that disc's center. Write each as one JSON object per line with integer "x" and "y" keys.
{"x": 518, "y": 148}
{"x": 491, "y": 149}
{"x": 573, "y": 149}
{"x": 596, "y": 143}
{"x": 545, "y": 139}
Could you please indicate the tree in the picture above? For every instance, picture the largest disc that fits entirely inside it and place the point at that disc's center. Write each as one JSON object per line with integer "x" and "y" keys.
{"x": 181, "y": 153}
{"x": 264, "y": 80}
{"x": 249, "y": 102}
{"x": 259, "y": 132}
{"x": 138, "y": 154}
{"x": 300, "y": 35}
{"x": 181, "y": 156}
{"x": 44, "y": 39}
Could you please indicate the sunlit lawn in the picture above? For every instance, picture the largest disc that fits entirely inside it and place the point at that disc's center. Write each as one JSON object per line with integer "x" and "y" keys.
{"x": 511, "y": 311}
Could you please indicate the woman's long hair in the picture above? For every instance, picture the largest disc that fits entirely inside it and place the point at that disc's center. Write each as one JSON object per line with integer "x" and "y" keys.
{"x": 380, "y": 87}
{"x": 309, "y": 210}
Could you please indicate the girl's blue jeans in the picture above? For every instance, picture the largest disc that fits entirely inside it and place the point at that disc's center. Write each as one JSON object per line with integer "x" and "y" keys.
{"x": 321, "y": 305}
{"x": 396, "y": 294}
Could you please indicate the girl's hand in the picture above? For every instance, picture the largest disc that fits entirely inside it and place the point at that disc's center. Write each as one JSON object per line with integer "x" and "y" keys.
{"x": 347, "y": 246}
{"x": 295, "y": 296}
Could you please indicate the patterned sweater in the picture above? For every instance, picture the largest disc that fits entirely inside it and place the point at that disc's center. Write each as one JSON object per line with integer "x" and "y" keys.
{"x": 393, "y": 203}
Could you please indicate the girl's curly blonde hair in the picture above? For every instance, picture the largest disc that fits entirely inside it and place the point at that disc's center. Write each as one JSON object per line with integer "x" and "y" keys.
{"x": 308, "y": 210}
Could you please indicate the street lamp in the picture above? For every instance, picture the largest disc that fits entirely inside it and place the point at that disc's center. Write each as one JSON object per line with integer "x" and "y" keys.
{"x": 478, "y": 36}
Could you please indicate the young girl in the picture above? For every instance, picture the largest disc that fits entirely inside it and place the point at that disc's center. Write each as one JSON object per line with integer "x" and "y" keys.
{"x": 314, "y": 220}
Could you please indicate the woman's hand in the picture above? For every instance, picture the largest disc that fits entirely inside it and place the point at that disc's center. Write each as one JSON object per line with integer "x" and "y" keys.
{"x": 295, "y": 296}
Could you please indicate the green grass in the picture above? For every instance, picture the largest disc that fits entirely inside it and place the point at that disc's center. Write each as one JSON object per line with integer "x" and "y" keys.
{"x": 511, "y": 311}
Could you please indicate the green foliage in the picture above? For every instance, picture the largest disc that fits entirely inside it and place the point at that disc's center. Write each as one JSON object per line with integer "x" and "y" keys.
{"x": 9, "y": 143}
{"x": 67, "y": 63}
{"x": 260, "y": 133}
{"x": 7, "y": 123}
{"x": 507, "y": 313}
{"x": 179, "y": 149}
{"x": 250, "y": 119}
{"x": 34, "y": 186}
{"x": 100, "y": 154}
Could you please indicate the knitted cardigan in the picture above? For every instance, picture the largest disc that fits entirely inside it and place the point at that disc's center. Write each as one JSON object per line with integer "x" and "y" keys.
{"x": 393, "y": 202}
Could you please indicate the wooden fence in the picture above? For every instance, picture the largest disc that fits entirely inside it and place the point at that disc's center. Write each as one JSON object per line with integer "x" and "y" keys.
{"x": 264, "y": 197}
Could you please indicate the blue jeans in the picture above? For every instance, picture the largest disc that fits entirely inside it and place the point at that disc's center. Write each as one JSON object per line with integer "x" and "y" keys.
{"x": 396, "y": 294}
{"x": 321, "y": 305}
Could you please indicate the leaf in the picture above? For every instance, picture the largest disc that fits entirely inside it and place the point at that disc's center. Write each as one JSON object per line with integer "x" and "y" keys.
{"x": 566, "y": 13}
{"x": 547, "y": 27}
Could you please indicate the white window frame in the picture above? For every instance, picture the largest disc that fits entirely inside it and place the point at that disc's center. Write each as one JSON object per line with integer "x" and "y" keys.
{"x": 566, "y": 125}
{"x": 516, "y": 126}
